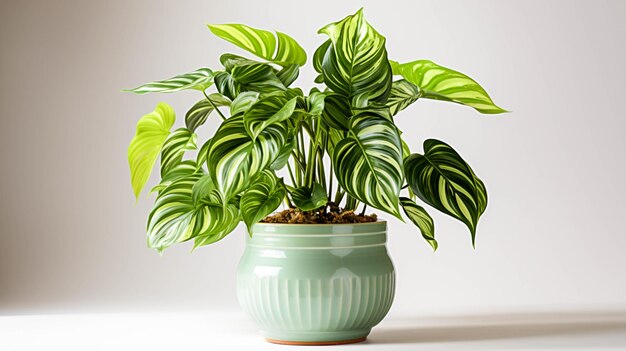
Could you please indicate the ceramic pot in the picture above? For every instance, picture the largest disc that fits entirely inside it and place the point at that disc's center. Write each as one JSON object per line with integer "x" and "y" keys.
{"x": 316, "y": 283}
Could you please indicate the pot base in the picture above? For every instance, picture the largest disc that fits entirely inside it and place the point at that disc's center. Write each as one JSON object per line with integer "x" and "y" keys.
{"x": 316, "y": 343}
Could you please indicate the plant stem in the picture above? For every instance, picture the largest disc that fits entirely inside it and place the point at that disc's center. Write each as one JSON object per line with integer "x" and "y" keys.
{"x": 364, "y": 208}
{"x": 214, "y": 107}
{"x": 293, "y": 180}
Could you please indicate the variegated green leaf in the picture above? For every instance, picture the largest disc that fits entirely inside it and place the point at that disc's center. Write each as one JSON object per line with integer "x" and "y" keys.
{"x": 441, "y": 83}
{"x": 309, "y": 198}
{"x": 368, "y": 163}
{"x": 203, "y": 154}
{"x": 403, "y": 93}
{"x": 226, "y": 85}
{"x": 442, "y": 179}
{"x": 336, "y": 111}
{"x": 288, "y": 74}
{"x": 281, "y": 49}
{"x": 177, "y": 218}
{"x": 234, "y": 158}
{"x": 356, "y": 60}
{"x": 418, "y": 215}
{"x": 183, "y": 169}
{"x": 199, "y": 79}
{"x": 257, "y": 77}
{"x": 152, "y": 131}
{"x": 177, "y": 143}
{"x": 261, "y": 199}
{"x": 267, "y": 111}
{"x": 243, "y": 102}
{"x": 315, "y": 103}
{"x": 283, "y": 155}
{"x": 200, "y": 111}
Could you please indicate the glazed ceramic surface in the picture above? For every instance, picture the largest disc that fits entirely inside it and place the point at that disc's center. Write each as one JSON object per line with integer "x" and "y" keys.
{"x": 316, "y": 283}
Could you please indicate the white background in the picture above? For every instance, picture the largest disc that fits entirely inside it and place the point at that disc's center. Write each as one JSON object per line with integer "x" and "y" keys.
{"x": 72, "y": 238}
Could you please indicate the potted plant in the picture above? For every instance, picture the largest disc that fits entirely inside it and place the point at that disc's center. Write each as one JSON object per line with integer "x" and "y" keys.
{"x": 317, "y": 272}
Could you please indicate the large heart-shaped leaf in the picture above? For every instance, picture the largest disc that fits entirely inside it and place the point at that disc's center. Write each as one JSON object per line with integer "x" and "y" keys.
{"x": 261, "y": 199}
{"x": 152, "y": 131}
{"x": 368, "y": 162}
{"x": 441, "y": 83}
{"x": 199, "y": 79}
{"x": 200, "y": 111}
{"x": 309, "y": 198}
{"x": 177, "y": 143}
{"x": 418, "y": 215}
{"x": 281, "y": 49}
{"x": 356, "y": 61}
{"x": 336, "y": 111}
{"x": 267, "y": 111}
{"x": 403, "y": 93}
{"x": 442, "y": 179}
{"x": 234, "y": 157}
{"x": 176, "y": 217}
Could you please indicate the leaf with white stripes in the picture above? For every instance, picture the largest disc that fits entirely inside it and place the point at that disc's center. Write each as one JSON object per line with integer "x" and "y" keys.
{"x": 441, "y": 83}
{"x": 234, "y": 158}
{"x": 152, "y": 131}
{"x": 368, "y": 162}
{"x": 257, "y": 77}
{"x": 418, "y": 215}
{"x": 356, "y": 61}
{"x": 281, "y": 49}
{"x": 176, "y": 217}
{"x": 267, "y": 111}
{"x": 177, "y": 143}
{"x": 200, "y": 111}
{"x": 183, "y": 169}
{"x": 261, "y": 199}
{"x": 403, "y": 93}
{"x": 442, "y": 179}
{"x": 199, "y": 79}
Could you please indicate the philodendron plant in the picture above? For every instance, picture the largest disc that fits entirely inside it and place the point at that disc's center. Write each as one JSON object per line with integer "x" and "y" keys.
{"x": 338, "y": 144}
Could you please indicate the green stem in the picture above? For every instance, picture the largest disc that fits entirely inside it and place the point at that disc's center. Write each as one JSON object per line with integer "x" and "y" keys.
{"x": 214, "y": 107}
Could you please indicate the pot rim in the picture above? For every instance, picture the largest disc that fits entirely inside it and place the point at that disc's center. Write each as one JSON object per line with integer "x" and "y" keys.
{"x": 318, "y": 224}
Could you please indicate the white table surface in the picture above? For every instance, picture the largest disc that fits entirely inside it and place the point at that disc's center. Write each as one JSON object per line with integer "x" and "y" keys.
{"x": 188, "y": 331}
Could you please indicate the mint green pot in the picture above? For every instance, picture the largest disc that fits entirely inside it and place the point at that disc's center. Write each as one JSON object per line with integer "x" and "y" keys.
{"x": 316, "y": 283}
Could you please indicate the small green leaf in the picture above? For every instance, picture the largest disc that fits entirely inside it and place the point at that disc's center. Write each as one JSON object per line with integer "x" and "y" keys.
{"x": 442, "y": 179}
{"x": 177, "y": 143}
{"x": 315, "y": 103}
{"x": 175, "y": 216}
{"x": 403, "y": 93}
{"x": 281, "y": 49}
{"x": 199, "y": 79}
{"x": 418, "y": 215}
{"x": 200, "y": 111}
{"x": 152, "y": 131}
{"x": 261, "y": 199}
{"x": 441, "y": 83}
{"x": 267, "y": 111}
{"x": 243, "y": 102}
{"x": 309, "y": 198}
{"x": 283, "y": 155}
